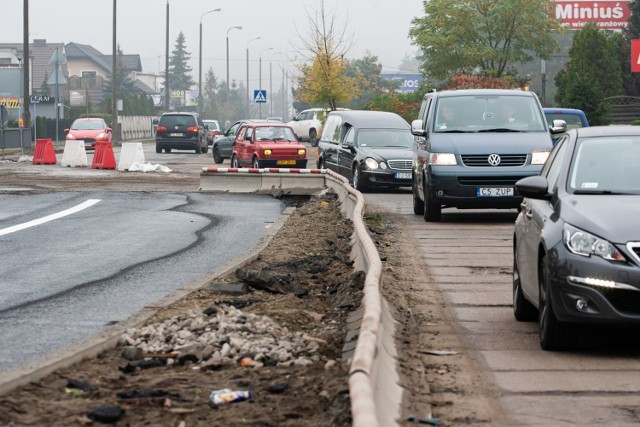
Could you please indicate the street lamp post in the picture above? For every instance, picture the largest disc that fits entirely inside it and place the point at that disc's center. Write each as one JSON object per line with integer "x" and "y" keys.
{"x": 166, "y": 64}
{"x": 257, "y": 38}
{"x": 115, "y": 131}
{"x": 200, "y": 62}
{"x": 260, "y": 80}
{"x": 239, "y": 27}
{"x": 20, "y": 118}
{"x": 271, "y": 83}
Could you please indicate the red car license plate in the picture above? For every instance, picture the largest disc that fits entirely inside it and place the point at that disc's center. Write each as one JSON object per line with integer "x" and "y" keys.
{"x": 286, "y": 162}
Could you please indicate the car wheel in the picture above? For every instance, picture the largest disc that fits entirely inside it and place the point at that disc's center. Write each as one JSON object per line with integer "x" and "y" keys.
{"x": 554, "y": 335}
{"x": 358, "y": 182}
{"x": 167, "y": 150}
{"x": 313, "y": 138}
{"x": 217, "y": 158}
{"x": 432, "y": 212}
{"x": 234, "y": 162}
{"x": 418, "y": 204}
{"x": 523, "y": 310}
{"x": 158, "y": 149}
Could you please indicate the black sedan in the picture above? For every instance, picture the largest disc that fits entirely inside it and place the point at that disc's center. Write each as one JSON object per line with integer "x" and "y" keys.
{"x": 370, "y": 148}
{"x": 577, "y": 241}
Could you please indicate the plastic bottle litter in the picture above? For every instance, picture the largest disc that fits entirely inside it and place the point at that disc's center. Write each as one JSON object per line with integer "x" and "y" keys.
{"x": 224, "y": 396}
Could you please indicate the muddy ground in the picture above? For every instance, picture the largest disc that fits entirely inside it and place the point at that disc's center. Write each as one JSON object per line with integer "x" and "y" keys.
{"x": 442, "y": 386}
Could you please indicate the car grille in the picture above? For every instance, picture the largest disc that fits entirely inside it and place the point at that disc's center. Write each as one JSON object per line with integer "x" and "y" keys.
{"x": 482, "y": 160}
{"x": 404, "y": 165}
{"x": 499, "y": 181}
{"x": 625, "y": 301}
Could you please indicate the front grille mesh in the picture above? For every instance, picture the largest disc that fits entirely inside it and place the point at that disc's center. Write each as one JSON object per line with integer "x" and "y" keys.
{"x": 481, "y": 160}
{"x": 403, "y": 165}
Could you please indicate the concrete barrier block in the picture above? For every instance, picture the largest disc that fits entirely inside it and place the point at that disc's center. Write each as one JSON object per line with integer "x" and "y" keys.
{"x": 74, "y": 154}
{"x": 131, "y": 153}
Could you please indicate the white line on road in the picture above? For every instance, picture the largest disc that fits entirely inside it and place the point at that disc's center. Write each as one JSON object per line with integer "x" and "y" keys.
{"x": 48, "y": 218}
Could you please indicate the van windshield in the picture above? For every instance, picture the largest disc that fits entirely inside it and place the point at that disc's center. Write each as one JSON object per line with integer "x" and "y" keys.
{"x": 495, "y": 113}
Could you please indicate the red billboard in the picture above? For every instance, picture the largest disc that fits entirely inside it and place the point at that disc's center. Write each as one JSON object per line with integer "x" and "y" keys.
{"x": 635, "y": 56}
{"x": 608, "y": 15}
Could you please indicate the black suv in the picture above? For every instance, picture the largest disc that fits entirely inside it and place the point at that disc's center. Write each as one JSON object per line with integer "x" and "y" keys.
{"x": 182, "y": 131}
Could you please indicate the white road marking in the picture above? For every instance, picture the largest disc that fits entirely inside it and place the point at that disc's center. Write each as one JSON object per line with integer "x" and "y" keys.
{"x": 48, "y": 218}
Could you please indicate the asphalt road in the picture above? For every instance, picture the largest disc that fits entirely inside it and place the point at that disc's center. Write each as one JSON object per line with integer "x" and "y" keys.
{"x": 64, "y": 279}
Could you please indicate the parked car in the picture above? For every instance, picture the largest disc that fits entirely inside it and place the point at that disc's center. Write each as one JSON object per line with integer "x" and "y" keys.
{"x": 268, "y": 145}
{"x": 181, "y": 131}
{"x": 576, "y": 242}
{"x": 473, "y": 145}
{"x": 573, "y": 117}
{"x": 212, "y": 129}
{"x": 90, "y": 130}
{"x": 370, "y": 148}
{"x": 223, "y": 145}
{"x": 308, "y": 124}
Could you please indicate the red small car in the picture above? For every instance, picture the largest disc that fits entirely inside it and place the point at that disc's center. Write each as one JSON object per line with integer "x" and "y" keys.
{"x": 90, "y": 130}
{"x": 268, "y": 145}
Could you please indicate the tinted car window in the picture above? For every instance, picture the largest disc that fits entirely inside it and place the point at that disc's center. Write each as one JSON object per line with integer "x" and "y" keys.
{"x": 349, "y": 137}
{"x": 385, "y": 138}
{"x": 555, "y": 163}
{"x": 331, "y": 132}
{"x": 171, "y": 121}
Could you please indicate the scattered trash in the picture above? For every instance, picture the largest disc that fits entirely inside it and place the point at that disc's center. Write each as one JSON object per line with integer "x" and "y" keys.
{"x": 429, "y": 421}
{"x": 439, "y": 352}
{"x": 147, "y": 167}
{"x": 144, "y": 364}
{"x": 80, "y": 385}
{"x": 25, "y": 159}
{"x": 107, "y": 414}
{"x": 224, "y": 396}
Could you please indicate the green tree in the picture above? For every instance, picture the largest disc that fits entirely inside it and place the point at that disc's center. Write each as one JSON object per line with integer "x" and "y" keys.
{"x": 45, "y": 89}
{"x": 460, "y": 36}
{"x": 210, "y": 95}
{"x": 583, "y": 93}
{"x": 592, "y": 59}
{"x": 179, "y": 70}
{"x": 366, "y": 73}
{"x": 135, "y": 102}
{"x": 323, "y": 79}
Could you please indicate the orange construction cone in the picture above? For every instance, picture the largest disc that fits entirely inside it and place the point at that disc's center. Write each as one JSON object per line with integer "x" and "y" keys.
{"x": 103, "y": 157}
{"x": 44, "y": 154}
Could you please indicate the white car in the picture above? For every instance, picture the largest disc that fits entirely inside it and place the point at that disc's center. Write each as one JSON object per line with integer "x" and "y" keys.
{"x": 308, "y": 124}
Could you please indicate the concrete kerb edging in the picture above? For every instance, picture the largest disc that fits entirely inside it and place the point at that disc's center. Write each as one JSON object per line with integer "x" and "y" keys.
{"x": 374, "y": 389}
{"x": 109, "y": 337}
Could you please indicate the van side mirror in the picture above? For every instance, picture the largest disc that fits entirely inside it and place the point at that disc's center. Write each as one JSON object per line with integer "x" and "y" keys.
{"x": 558, "y": 126}
{"x": 417, "y": 129}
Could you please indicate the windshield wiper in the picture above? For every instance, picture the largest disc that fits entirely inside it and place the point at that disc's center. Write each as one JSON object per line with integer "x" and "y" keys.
{"x": 456, "y": 131}
{"x": 615, "y": 193}
{"x": 499, "y": 130}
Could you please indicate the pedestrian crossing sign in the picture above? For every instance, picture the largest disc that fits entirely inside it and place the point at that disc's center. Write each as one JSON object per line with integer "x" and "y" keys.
{"x": 260, "y": 96}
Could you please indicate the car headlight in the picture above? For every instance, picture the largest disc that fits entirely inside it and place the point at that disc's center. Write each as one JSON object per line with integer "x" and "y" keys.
{"x": 100, "y": 135}
{"x": 302, "y": 152}
{"x": 267, "y": 152}
{"x": 371, "y": 163}
{"x": 443, "y": 159}
{"x": 586, "y": 244}
{"x": 383, "y": 165}
{"x": 539, "y": 157}
{"x": 70, "y": 136}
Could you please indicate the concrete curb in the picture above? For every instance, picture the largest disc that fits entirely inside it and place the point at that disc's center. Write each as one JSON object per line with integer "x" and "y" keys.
{"x": 109, "y": 337}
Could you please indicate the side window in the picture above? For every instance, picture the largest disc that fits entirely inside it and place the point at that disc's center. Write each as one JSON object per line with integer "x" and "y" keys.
{"x": 555, "y": 163}
{"x": 249, "y": 135}
{"x": 331, "y": 132}
{"x": 233, "y": 130}
{"x": 425, "y": 114}
{"x": 349, "y": 137}
{"x": 240, "y": 135}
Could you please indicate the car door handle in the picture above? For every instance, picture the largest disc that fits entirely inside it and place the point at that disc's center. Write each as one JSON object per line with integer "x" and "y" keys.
{"x": 528, "y": 214}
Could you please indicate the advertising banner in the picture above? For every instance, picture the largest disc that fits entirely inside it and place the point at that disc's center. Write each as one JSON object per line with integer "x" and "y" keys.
{"x": 608, "y": 15}
{"x": 406, "y": 82}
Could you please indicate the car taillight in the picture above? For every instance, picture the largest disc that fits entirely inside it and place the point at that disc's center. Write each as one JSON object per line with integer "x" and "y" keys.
{"x": 161, "y": 129}
{"x": 216, "y": 133}
{"x": 192, "y": 129}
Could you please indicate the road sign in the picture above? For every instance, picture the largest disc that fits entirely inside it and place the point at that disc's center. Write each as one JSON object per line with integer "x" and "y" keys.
{"x": 635, "y": 56}
{"x": 260, "y": 96}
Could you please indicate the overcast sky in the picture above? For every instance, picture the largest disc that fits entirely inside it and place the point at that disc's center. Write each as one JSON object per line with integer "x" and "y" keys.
{"x": 379, "y": 27}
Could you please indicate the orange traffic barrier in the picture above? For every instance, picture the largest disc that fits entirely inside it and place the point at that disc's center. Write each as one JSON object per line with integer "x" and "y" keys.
{"x": 44, "y": 153}
{"x": 103, "y": 157}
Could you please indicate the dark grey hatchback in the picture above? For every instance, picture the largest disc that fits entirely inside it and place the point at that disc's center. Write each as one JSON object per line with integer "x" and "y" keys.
{"x": 370, "y": 148}
{"x": 576, "y": 244}
{"x": 181, "y": 131}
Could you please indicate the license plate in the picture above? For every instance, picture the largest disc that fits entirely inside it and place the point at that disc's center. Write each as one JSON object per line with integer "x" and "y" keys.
{"x": 402, "y": 175}
{"x": 494, "y": 191}
{"x": 176, "y": 134}
{"x": 286, "y": 162}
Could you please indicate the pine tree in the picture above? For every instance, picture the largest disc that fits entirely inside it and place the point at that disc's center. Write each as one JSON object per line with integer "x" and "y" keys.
{"x": 179, "y": 70}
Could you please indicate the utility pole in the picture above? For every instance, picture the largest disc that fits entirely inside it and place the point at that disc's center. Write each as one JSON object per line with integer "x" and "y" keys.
{"x": 26, "y": 114}
{"x": 115, "y": 131}
{"x": 166, "y": 65}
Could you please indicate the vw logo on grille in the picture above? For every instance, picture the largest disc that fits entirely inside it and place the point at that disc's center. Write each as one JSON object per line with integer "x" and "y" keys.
{"x": 494, "y": 159}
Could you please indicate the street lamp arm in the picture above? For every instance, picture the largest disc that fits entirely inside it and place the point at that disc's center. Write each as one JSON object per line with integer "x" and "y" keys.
{"x": 239, "y": 27}
{"x": 206, "y": 13}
